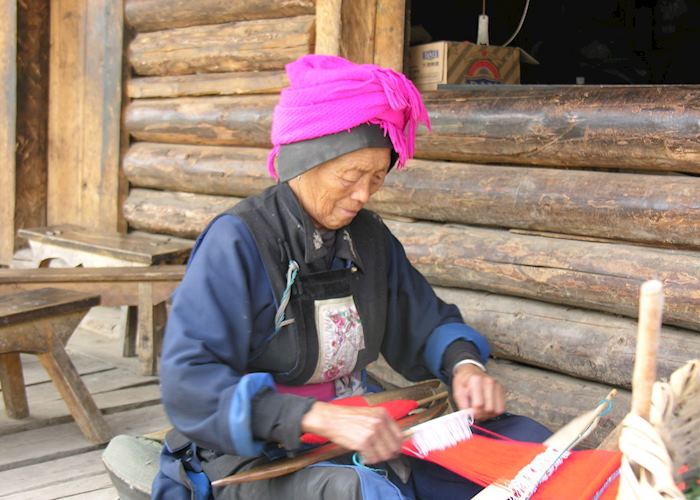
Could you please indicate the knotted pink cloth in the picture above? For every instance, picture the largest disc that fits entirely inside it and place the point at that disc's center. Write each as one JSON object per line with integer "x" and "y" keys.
{"x": 329, "y": 94}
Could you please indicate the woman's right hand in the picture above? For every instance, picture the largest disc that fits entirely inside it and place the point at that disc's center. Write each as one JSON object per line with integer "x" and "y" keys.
{"x": 369, "y": 431}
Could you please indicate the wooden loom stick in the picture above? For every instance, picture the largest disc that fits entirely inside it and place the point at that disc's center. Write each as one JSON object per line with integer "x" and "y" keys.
{"x": 651, "y": 303}
{"x": 325, "y": 452}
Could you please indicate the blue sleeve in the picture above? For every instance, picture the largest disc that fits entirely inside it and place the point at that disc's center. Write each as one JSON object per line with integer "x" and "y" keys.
{"x": 420, "y": 326}
{"x": 206, "y": 391}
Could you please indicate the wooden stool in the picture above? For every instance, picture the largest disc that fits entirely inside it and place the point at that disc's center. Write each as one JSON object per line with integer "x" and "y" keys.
{"x": 78, "y": 246}
{"x": 41, "y": 322}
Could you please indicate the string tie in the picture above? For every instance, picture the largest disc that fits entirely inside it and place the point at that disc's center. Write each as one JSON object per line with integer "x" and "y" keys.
{"x": 280, "y": 320}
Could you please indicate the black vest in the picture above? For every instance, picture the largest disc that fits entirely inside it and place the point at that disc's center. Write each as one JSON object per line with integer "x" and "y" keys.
{"x": 273, "y": 219}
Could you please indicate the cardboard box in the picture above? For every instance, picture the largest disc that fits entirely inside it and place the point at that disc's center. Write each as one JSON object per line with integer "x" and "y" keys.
{"x": 434, "y": 63}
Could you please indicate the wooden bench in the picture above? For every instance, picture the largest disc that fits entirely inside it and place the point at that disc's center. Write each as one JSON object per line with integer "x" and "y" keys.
{"x": 40, "y": 322}
{"x": 143, "y": 288}
{"x": 72, "y": 246}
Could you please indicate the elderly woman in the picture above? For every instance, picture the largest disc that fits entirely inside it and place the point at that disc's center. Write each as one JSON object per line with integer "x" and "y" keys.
{"x": 289, "y": 295}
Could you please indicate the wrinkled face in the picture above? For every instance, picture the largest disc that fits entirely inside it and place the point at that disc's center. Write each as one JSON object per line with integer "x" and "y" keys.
{"x": 332, "y": 193}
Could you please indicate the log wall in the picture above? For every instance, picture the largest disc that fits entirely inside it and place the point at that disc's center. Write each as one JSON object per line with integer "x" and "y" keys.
{"x": 541, "y": 208}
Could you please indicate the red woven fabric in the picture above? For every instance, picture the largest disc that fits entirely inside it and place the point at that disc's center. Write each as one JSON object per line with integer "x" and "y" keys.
{"x": 486, "y": 460}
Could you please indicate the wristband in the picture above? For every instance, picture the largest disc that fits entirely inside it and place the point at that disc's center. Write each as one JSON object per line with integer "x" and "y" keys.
{"x": 468, "y": 362}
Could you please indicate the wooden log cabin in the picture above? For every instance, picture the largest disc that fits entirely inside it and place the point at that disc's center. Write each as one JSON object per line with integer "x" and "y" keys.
{"x": 537, "y": 209}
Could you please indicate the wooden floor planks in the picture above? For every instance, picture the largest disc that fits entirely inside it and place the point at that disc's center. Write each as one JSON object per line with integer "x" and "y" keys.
{"x": 46, "y": 456}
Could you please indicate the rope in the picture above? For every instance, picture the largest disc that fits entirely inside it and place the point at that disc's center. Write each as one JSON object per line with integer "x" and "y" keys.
{"x": 654, "y": 450}
{"x": 280, "y": 320}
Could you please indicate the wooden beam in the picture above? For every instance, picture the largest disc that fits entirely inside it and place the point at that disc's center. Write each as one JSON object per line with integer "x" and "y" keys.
{"x": 389, "y": 37}
{"x": 239, "y": 82}
{"x": 328, "y": 27}
{"x": 8, "y": 116}
{"x": 84, "y": 113}
{"x": 266, "y": 44}
{"x": 33, "y": 22}
{"x": 230, "y": 120}
{"x": 627, "y": 127}
{"x": 154, "y": 15}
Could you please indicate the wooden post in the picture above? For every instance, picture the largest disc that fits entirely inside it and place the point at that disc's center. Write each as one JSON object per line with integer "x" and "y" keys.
{"x": 84, "y": 112}
{"x": 651, "y": 304}
{"x": 328, "y": 26}
{"x": 32, "y": 112}
{"x": 357, "y": 38}
{"x": 389, "y": 37}
{"x": 8, "y": 103}
{"x": 12, "y": 383}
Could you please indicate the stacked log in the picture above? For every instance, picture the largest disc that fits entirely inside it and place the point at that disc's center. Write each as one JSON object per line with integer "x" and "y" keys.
{"x": 263, "y": 44}
{"x": 154, "y": 15}
{"x": 541, "y": 208}
{"x": 621, "y": 127}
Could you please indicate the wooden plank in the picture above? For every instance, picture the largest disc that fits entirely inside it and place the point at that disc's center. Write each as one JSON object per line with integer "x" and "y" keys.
{"x": 58, "y": 441}
{"x": 627, "y": 127}
{"x": 63, "y": 275}
{"x": 144, "y": 249}
{"x": 328, "y": 27}
{"x": 117, "y": 287}
{"x": 252, "y": 82}
{"x": 231, "y": 171}
{"x": 153, "y": 15}
{"x": 47, "y": 302}
{"x": 92, "y": 485}
{"x": 599, "y": 276}
{"x": 182, "y": 214}
{"x": 265, "y": 44}
{"x": 32, "y": 104}
{"x": 55, "y": 411}
{"x": 33, "y": 477}
{"x": 236, "y": 121}
{"x": 358, "y": 30}
{"x": 84, "y": 113}
{"x": 8, "y": 119}
{"x": 577, "y": 342}
{"x": 389, "y": 36}
{"x": 662, "y": 211}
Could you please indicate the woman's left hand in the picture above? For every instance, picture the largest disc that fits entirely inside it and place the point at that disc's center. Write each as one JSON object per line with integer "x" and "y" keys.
{"x": 473, "y": 389}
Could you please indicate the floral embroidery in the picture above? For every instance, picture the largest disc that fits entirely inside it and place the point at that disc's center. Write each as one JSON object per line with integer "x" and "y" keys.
{"x": 340, "y": 338}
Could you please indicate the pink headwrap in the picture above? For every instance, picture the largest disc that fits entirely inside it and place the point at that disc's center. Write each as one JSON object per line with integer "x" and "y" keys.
{"x": 329, "y": 94}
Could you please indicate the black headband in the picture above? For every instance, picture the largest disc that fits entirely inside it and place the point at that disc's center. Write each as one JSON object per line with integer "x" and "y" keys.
{"x": 296, "y": 158}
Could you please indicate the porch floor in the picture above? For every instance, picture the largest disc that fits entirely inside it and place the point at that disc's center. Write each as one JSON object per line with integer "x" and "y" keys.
{"x": 45, "y": 456}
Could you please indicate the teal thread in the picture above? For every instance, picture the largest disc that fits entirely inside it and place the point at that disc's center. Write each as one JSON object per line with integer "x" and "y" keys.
{"x": 358, "y": 462}
{"x": 280, "y": 320}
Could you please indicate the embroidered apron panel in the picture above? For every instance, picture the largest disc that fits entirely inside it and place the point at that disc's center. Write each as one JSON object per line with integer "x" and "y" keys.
{"x": 340, "y": 338}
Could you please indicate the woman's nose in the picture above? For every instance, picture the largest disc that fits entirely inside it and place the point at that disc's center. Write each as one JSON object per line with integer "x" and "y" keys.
{"x": 361, "y": 191}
